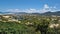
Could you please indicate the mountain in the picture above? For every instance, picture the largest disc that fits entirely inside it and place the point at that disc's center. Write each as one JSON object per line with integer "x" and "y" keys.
{"x": 13, "y": 13}
{"x": 49, "y": 13}
{"x": 57, "y": 13}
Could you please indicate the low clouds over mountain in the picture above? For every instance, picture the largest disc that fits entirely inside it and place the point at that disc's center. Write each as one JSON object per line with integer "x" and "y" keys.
{"x": 44, "y": 9}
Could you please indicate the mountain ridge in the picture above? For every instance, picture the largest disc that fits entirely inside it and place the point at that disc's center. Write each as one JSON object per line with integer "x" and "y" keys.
{"x": 46, "y": 13}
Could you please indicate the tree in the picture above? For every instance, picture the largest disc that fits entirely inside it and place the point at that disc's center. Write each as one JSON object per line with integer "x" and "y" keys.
{"x": 43, "y": 26}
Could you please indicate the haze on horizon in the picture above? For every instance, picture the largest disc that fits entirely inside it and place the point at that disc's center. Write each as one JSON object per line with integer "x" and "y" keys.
{"x": 29, "y": 6}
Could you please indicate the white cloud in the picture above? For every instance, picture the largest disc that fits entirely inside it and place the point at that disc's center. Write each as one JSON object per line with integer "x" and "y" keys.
{"x": 54, "y": 7}
{"x": 13, "y": 10}
{"x": 9, "y": 10}
{"x": 25, "y": 10}
{"x": 31, "y": 10}
{"x": 46, "y": 8}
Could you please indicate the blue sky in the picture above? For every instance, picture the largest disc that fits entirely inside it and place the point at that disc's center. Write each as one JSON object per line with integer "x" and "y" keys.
{"x": 28, "y": 5}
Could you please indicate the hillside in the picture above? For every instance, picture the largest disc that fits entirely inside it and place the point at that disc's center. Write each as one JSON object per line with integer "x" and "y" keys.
{"x": 57, "y": 13}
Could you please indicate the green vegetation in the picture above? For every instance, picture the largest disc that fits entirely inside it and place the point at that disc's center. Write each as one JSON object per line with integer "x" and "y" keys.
{"x": 29, "y": 24}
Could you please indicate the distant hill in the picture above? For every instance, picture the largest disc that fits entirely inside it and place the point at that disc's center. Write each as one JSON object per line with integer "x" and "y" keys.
{"x": 13, "y": 13}
{"x": 57, "y": 13}
{"x": 49, "y": 13}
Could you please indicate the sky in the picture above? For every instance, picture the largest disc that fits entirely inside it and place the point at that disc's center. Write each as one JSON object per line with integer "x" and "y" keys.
{"x": 29, "y": 6}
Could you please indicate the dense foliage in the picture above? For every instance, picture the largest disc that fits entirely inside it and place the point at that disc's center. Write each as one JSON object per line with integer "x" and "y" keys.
{"x": 30, "y": 24}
